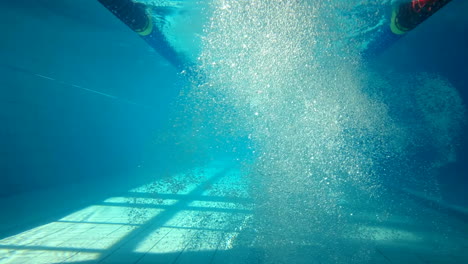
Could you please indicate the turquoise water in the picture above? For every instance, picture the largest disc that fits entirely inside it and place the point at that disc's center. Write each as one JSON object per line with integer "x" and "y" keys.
{"x": 282, "y": 144}
{"x": 329, "y": 135}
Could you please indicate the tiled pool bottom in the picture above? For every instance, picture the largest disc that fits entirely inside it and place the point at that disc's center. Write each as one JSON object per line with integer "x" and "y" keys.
{"x": 196, "y": 217}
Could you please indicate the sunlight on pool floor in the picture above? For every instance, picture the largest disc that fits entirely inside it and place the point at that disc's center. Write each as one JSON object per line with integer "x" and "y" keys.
{"x": 166, "y": 216}
{"x": 203, "y": 215}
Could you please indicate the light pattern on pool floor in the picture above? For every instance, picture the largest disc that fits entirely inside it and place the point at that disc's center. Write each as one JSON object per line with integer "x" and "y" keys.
{"x": 188, "y": 218}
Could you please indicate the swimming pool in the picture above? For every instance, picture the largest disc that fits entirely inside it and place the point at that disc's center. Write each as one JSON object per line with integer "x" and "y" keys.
{"x": 279, "y": 139}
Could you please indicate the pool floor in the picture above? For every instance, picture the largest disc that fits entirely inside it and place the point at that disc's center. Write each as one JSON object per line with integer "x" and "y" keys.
{"x": 194, "y": 217}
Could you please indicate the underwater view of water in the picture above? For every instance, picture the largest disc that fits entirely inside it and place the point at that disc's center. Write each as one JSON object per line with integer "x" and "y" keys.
{"x": 320, "y": 133}
{"x": 340, "y": 153}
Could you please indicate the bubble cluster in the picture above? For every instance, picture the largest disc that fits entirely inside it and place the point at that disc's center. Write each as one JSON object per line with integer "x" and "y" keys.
{"x": 324, "y": 138}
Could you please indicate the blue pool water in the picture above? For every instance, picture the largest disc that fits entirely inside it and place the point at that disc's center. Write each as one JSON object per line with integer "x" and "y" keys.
{"x": 285, "y": 141}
